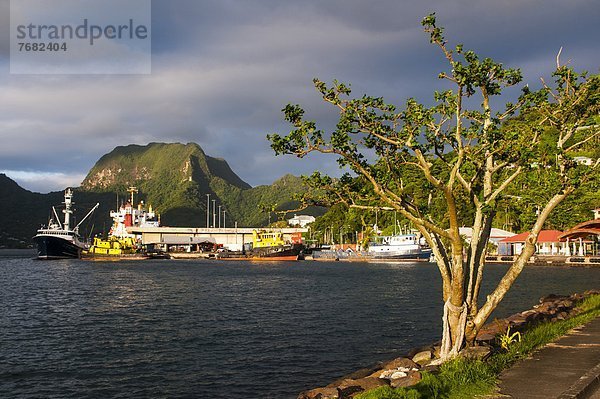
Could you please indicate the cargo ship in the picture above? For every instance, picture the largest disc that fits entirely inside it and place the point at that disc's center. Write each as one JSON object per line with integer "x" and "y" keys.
{"x": 120, "y": 243}
{"x": 60, "y": 241}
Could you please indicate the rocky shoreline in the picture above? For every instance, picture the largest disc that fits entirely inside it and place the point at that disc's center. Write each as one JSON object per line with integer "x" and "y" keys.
{"x": 406, "y": 370}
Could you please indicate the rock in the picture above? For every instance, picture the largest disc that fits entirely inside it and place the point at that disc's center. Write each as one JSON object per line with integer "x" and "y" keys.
{"x": 357, "y": 375}
{"x": 517, "y": 320}
{"x": 398, "y": 374}
{"x": 577, "y": 297}
{"x": 414, "y": 351}
{"x": 411, "y": 379}
{"x": 394, "y": 373}
{"x": 400, "y": 362}
{"x": 485, "y": 337}
{"x": 552, "y": 297}
{"x": 567, "y": 304}
{"x": 545, "y": 307}
{"x": 362, "y": 373}
{"x": 476, "y": 352}
{"x": 320, "y": 393}
{"x": 562, "y": 316}
{"x": 349, "y": 388}
{"x": 530, "y": 315}
{"x": 423, "y": 358}
{"x": 489, "y": 331}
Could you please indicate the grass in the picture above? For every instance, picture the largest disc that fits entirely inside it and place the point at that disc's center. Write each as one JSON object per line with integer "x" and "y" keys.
{"x": 463, "y": 378}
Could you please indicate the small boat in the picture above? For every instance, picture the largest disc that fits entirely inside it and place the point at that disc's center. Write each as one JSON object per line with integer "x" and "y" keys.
{"x": 59, "y": 241}
{"x": 113, "y": 246}
{"x": 266, "y": 246}
{"x": 270, "y": 245}
{"x": 399, "y": 247}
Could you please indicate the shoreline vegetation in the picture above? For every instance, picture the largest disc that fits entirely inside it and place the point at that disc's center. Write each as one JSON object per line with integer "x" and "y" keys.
{"x": 500, "y": 344}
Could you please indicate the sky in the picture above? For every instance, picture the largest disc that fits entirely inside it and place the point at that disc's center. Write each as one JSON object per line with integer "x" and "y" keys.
{"x": 223, "y": 70}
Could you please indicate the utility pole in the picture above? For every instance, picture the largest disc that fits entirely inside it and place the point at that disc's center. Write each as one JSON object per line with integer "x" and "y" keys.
{"x": 219, "y": 216}
{"x": 214, "y": 214}
{"x": 224, "y": 225}
{"x": 207, "y": 211}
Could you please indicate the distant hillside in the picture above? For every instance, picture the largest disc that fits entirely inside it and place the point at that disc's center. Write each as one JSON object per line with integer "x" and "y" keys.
{"x": 173, "y": 178}
{"x": 176, "y": 178}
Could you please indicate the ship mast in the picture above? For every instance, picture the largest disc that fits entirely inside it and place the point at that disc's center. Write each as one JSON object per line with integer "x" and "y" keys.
{"x": 68, "y": 211}
{"x": 131, "y": 191}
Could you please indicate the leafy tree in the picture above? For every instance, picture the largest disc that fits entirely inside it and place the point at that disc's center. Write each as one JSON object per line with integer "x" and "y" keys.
{"x": 469, "y": 157}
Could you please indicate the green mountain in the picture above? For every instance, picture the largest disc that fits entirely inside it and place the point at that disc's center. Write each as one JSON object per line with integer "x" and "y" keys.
{"x": 174, "y": 178}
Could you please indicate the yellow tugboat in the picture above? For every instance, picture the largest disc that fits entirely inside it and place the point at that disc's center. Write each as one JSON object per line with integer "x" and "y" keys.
{"x": 267, "y": 246}
{"x": 270, "y": 245}
{"x": 120, "y": 243}
{"x": 113, "y": 246}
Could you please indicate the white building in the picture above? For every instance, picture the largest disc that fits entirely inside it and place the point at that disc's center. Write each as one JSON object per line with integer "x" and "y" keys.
{"x": 496, "y": 235}
{"x": 301, "y": 220}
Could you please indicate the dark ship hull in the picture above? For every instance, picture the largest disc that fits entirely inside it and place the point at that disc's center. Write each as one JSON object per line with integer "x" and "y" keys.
{"x": 56, "y": 247}
{"x": 272, "y": 253}
{"x": 422, "y": 255}
{"x": 281, "y": 252}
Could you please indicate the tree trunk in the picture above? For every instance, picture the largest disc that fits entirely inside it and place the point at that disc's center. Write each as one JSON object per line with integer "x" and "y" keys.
{"x": 455, "y": 309}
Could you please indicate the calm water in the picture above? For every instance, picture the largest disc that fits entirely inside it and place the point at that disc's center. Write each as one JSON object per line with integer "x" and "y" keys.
{"x": 179, "y": 329}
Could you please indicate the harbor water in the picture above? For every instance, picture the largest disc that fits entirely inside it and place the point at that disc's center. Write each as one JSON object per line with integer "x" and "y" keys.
{"x": 218, "y": 329}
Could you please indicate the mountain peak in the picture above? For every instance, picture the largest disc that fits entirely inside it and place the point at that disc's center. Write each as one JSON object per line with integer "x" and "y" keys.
{"x": 136, "y": 164}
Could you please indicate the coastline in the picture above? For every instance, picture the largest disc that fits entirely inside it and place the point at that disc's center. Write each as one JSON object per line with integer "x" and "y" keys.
{"x": 406, "y": 370}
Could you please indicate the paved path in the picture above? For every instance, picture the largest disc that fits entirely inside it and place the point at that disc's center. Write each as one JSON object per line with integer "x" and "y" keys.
{"x": 566, "y": 369}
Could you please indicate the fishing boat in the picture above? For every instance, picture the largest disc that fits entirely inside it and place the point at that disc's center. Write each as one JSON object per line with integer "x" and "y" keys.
{"x": 60, "y": 241}
{"x": 399, "y": 247}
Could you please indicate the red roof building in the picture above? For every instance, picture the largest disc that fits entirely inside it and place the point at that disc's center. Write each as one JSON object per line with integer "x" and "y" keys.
{"x": 548, "y": 243}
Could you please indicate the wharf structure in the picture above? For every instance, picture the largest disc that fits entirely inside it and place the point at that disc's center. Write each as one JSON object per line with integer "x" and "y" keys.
{"x": 186, "y": 238}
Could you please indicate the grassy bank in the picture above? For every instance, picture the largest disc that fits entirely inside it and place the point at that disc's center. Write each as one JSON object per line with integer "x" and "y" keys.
{"x": 462, "y": 378}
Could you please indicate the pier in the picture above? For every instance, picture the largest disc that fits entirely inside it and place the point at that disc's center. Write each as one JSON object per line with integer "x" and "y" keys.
{"x": 230, "y": 238}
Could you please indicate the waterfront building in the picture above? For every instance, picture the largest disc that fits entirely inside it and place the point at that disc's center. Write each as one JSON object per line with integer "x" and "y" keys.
{"x": 496, "y": 235}
{"x": 584, "y": 239}
{"x": 191, "y": 238}
{"x": 549, "y": 243}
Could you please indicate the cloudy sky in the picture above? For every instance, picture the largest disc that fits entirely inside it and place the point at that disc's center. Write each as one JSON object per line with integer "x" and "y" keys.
{"x": 222, "y": 70}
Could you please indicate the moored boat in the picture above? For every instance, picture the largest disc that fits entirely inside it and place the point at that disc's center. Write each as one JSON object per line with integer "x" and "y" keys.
{"x": 399, "y": 247}
{"x": 120, "y": 243}
{"x": 266, "y": 246}
{"x": 60, "y": 241}
{"x": 270, "y": 245}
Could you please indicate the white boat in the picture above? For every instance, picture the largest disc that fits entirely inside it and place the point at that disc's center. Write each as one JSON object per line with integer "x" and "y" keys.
{"x": 400, "y": 247}
{"x": 59, "y": 241}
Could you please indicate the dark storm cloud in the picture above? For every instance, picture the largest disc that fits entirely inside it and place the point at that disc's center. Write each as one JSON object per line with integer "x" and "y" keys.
{"x": 223, "y": 70}
{"x": 4, "y": 30}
